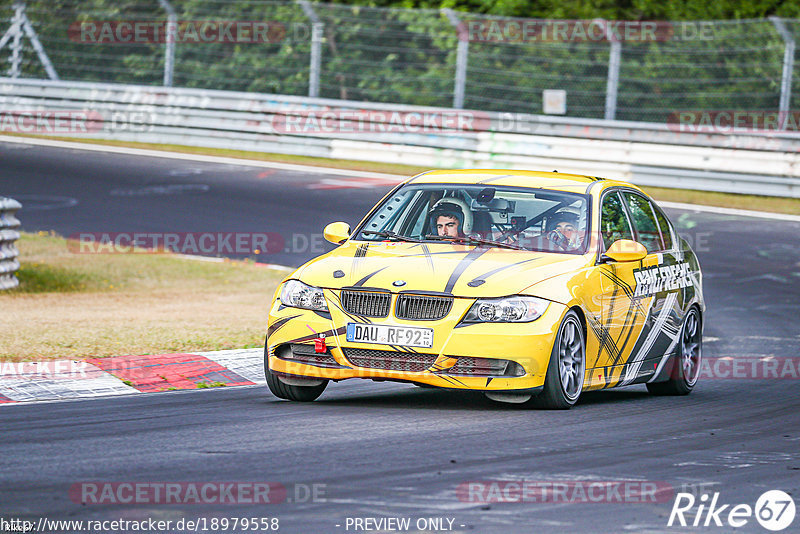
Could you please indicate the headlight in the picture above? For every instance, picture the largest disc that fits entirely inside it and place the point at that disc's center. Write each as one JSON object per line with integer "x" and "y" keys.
{"x": 299, "y": 295}
{"x": 518, "y": 309}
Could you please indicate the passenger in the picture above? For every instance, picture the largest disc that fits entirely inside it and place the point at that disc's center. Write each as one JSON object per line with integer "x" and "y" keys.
{"x": 563, "y": 230}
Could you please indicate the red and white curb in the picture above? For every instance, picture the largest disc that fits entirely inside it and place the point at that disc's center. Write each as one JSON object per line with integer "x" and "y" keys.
{"x": 125, "y": 375}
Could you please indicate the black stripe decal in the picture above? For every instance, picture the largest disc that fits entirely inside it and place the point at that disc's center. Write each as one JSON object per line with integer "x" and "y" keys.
{"x": 274, "y": 327}
{"x": 504, "y": 267}
{"x": 364, "y": 280}
{"x": 629, "y": 291}
{"x": 605, "y": 341}
{"x": 452, "y": 380}
{"x": 361, "y": 251}
{"x": 444, "y": 253}
{"x": 427, "y": 252}
{"x": 631, "y": 323}
{"x": 462, "y": 266}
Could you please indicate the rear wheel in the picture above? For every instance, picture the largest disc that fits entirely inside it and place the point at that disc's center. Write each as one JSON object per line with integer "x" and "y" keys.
{"x": 686, "y": 367}
{"x": 563, "y": 382}
{"x": 293, "y": 392}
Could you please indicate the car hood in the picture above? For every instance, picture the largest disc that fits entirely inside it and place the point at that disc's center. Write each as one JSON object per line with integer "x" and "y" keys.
{"x": 464, "y": 271}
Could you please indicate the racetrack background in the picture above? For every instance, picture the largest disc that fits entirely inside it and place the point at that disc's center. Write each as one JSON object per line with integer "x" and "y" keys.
{"x": 392, "y": 449}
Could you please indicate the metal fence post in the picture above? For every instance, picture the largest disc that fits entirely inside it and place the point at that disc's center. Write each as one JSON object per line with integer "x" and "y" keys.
{"x": 37, "y": 46}
{"x": 20, "y": 23}
{"x": 169, "y": 46}
{"x": 788, "y": 67}
{"x": 462, "y": 56}
{"x": 612, "y": 83}
{"x": 316, "y": 48}
{"x": 16, "y": 42}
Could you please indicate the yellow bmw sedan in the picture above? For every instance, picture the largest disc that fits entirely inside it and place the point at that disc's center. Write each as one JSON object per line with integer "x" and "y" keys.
{"x": 529, "y": 286}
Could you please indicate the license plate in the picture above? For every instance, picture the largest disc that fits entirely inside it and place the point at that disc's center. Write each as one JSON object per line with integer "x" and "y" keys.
{"x": 407, "y": 336}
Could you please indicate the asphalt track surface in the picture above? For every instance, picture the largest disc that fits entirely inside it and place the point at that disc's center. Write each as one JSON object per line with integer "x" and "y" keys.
{"x": 392, "y": 450}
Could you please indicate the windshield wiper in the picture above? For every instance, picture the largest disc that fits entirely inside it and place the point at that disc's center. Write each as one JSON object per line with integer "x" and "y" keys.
{"x": 391, "y": 235}
{"x": 473, "y": 241}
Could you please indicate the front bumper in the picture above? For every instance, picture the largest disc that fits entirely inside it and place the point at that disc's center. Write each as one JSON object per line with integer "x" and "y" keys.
{"x": 489, "y": 357}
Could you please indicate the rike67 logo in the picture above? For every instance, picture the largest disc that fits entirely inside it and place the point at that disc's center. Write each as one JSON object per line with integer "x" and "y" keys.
{"x": 774, "y": 510}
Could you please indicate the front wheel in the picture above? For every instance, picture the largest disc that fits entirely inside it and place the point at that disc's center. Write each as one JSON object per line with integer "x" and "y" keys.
{"x": 686, "y": 367}
{"x": 563, "y": 382}
{"x": 282, "y": 390}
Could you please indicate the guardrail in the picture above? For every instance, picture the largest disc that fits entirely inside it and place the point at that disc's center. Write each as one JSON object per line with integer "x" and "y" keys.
{"x": 643, "y": 153}
{"x": 9, "y": 255}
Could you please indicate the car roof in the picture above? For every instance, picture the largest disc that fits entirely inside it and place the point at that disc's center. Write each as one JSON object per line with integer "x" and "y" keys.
{"x": 575, "y": 183}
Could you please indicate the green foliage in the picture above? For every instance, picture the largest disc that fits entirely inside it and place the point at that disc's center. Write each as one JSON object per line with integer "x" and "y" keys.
{"x": 409, "y": 56}
{"x": 609, "y": 9}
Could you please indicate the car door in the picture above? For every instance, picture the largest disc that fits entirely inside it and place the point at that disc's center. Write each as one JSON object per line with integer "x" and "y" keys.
{"x": 655, "y": 287}
{"x": 619, "y": 314}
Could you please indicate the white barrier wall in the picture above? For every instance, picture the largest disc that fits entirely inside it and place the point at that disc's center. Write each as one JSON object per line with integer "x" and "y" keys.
{"x": 643, "y": 153}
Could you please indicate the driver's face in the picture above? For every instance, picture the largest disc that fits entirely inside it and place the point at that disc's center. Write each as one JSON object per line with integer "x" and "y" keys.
{"x": 447, "y": 226}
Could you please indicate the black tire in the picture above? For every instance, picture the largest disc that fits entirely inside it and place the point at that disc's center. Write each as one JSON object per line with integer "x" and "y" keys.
{"x": 685, "y": 366}
{"x": 568, "y": 355}
{"x": 292, "y": 393}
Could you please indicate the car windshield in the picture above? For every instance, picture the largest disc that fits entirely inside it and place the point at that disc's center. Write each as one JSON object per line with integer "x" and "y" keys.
{"x": 507, "y": 217}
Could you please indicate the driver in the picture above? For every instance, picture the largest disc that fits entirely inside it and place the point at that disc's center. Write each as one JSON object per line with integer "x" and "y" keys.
{"x": 447, "y": 219}
{"x": 563, "y": 230}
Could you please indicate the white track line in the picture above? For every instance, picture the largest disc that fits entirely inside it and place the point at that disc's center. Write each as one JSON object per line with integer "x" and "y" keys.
{"x": 196, "y": 157}
{"x": 331, "y": 171}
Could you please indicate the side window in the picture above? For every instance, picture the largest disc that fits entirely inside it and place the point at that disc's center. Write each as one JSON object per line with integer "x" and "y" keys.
{"x": 644, "y": 220}
{"x": 666, "y": 228}
{"x": 394, "y": 213}
{"x": 614, "y": 223}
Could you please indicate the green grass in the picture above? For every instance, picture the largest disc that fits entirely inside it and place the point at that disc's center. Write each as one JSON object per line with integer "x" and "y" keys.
{"x": 77, "y": 306}
{"x": 50, "y": 278}
{"x": 50, "y": 265}
{"x": 790, "y": 206}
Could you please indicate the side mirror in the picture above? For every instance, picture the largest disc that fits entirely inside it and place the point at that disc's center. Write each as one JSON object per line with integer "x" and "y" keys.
{"x": 624, "y": 250}
{"x": 337, "y": 232}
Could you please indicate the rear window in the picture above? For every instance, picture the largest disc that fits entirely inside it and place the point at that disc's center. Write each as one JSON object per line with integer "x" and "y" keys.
{"x": 666, "y": 228}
